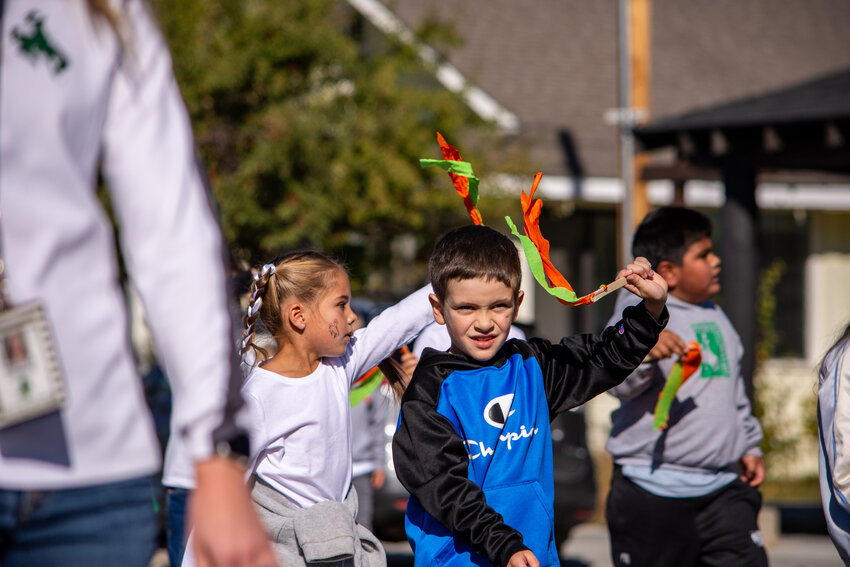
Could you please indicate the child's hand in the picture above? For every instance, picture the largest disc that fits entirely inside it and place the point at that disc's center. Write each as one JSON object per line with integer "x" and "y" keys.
{"x": 378, "y": 477}
{"x": 523, "y": 558}
{"x": 226, "y": 529}
{"x": 669, "y": 344}
{"x": 408, "y": 364}
{"x": 647, "y": 284}
{"x": 752, "y": 469}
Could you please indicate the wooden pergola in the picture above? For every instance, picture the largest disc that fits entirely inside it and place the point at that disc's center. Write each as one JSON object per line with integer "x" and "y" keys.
{"x": 803, "y": 127}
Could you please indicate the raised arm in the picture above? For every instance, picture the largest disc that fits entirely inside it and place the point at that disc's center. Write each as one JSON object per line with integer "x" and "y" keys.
{"x": 392, "y": 329}
{"x": 583, "y": 366}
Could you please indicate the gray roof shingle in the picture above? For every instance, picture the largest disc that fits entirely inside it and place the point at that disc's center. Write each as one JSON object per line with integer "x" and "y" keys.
{"x": 555, "y": 62}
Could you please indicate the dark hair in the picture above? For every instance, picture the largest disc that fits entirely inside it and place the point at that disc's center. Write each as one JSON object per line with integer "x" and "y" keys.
{"x": 668, "y": 232}
{"x": 473, "y": 251}
{"x": 837, "y": 342}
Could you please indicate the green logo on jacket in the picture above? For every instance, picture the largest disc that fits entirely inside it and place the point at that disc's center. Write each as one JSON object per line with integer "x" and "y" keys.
{"x": 35, "y": 43}
{"x": 715, "y": 357}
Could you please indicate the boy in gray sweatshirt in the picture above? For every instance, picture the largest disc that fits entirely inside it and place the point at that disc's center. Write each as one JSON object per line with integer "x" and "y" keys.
{"x": 686, "y": 494}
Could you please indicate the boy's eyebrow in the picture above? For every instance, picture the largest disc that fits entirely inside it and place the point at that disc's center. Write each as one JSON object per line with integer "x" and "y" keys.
{"x": 474, "y": 304}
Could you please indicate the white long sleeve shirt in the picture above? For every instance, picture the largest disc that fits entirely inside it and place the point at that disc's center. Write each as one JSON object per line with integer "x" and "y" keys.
{"x": 301, "y": 427}
{"x": 68, "y": 105}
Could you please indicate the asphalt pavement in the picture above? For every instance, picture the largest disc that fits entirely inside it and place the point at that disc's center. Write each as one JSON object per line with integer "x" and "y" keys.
{"x": 588, "y": 547}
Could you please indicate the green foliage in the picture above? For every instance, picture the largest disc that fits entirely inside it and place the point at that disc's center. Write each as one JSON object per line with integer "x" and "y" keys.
{"x": 775, "y": 446}
{"x": 783, "y": 441}
{"x": 311, "y": 125}
{"x": 766, "y": 309}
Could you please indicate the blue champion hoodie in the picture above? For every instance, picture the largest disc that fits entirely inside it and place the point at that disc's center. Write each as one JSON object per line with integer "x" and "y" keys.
{"x": 474, "y": 445}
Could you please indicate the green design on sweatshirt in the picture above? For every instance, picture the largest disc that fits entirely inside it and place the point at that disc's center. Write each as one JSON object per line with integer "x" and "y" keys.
{"x": 36, "y": 43}
{"x": 715, "y": 355}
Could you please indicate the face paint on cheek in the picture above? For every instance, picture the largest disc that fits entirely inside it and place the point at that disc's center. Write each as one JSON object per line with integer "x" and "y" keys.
{"x": 333, "y": 328}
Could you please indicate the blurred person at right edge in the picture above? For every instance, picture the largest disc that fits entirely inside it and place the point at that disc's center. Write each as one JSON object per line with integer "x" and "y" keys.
{"x": 88, "y": 88}
{"x": 834, "y": 431}
{"x": 684, "y": 490}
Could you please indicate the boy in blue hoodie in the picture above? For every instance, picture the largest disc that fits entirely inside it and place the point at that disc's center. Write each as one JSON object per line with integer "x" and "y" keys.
{"x": 473, "y": 446}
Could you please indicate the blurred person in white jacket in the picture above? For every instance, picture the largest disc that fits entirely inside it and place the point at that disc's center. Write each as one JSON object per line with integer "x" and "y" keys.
{"x": 833, "y": 431}
{"x": 88, "y": 88}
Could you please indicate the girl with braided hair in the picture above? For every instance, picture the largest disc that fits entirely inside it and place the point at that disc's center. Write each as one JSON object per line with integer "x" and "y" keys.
{"x": 298, "y": 400}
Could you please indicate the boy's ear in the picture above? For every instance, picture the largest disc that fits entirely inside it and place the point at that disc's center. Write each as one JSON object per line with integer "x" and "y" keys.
{"x": 669, "y": 271}
{"x": 519, "y": 297}
{"x": 438, "y": 309}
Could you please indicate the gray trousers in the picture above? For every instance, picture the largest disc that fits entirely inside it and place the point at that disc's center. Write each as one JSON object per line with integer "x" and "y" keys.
{"x": 325, "y": 533}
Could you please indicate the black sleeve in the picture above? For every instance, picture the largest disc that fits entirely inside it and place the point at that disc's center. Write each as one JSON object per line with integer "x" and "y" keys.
{"x": 431, "y": 462}
{"x": 581, "y": 367}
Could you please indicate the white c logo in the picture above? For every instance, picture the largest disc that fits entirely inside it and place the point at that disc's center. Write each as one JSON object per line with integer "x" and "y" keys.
{"x": 497, "y": 411}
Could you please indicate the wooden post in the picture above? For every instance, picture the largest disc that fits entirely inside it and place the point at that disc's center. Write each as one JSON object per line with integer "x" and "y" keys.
{"x": 634, "y": 110}
{"x": 640, "y": 22}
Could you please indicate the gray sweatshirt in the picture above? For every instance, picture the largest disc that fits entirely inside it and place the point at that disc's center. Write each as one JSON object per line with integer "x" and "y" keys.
{"x": 711, "y": 425}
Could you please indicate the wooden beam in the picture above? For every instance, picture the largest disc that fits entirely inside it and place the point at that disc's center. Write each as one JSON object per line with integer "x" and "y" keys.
{"x": 640, "y": 59}
{"x": 679, "y": 172}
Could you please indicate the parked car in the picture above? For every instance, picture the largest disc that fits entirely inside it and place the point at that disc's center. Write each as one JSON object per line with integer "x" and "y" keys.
{"x": 575, "y": 484}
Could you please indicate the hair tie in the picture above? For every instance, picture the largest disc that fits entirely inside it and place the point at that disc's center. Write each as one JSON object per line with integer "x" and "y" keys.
{"x": 266, "y": 270}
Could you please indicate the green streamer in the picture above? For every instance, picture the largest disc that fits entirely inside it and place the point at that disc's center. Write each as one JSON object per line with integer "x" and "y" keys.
{"x": 535, "y": 263}
{"x": 361, "y": 392}
{"x": 462, "y": 168}
{"x": 667, "y": 395}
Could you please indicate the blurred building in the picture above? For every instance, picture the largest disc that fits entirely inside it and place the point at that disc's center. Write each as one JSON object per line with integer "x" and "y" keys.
{"x": 549, "y": 73}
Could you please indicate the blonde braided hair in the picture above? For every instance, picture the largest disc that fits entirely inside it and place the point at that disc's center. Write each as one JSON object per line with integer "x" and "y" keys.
{"x": 302, "y": 275}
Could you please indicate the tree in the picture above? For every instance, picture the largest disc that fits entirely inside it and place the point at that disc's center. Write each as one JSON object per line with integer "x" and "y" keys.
{"x": 311, "y": 125}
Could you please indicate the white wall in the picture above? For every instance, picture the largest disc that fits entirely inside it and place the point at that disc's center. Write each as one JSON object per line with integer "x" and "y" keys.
{"x": 827, "y": 288}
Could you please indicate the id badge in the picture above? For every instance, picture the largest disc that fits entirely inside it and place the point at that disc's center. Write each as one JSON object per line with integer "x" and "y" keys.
{"x": 30, "y": 380}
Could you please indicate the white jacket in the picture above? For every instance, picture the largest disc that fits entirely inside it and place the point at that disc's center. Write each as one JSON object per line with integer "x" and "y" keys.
{"x": 834, "y": 434}
{"x": 69, "y": 104}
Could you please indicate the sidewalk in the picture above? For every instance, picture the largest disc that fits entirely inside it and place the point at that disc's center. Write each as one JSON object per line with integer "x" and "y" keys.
{"x": 588, "y": 547}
